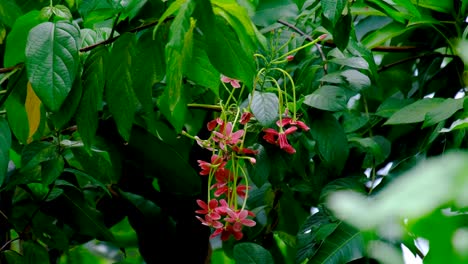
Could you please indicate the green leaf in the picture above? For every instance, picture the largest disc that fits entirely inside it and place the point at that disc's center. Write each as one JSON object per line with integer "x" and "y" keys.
{"x": 52, "y": 61}
{"x": 331, "y": 141}
{"x": 240, "y": 21}
{"x": 441, "y": 6}
{"x": 388, "y": 9}
{"x": 17, "y": 38}
{"x": 165, "y": 162}
{"x": 265, "y": 107}
{"x": 61, "y": 118}
{"x": 86, "y": 180}
{"x": 356, "y": 79}
{"x": 344, "y": 245}
{"x": 456, "y": 125}
{"x": 37, "y": 152}
{"x": 44, "y": 227}
{"x": 269, "y": 11}
{"x": 415, "y": 112}
{"x": 15, "y": 107}
{"x": 377, "y": 147}
{"x": 327, "y": 97}
{"x": 333, "y": 9}
{"x": 34, "y": 253}
{"x": 174, "y": 7}
{"x": 251, "y": 253}
{"x": 353, "y": 62}
{"x": 392, "y": 105}
{"x": 12, "y": 257}
{"x": 202, "y": 71}
{"x": 9, "y": 12}
{"x": 119, "y": 92}
{"x": 87, "y": 220}
{"x": 5, "y": 143}
{"x": 91, "y": 101}
{"x": 178, "y": 53}
{"x": 443, "y": 111}
{"x": 380, "y": 36}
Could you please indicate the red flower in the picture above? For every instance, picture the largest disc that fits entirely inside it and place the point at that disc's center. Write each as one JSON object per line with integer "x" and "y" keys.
{"x": 214, "y": 123}
{"x": 209, "y": 209}
{"x": 239, "y": 219}
{"x": 245, "y": 118}
{"x": 280, "y": 138}
{"x": 289, "y": 121}
{"x": 226, "y": 232}
{"x": 235, "y": 83}
{"x": 290, "y": 58}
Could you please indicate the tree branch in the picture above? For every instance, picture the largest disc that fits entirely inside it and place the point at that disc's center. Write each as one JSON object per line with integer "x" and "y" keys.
{"x": 330, "y": 43}
{"x": 309, "y": 38}
{"x": 10, "y": 69}
{"x": 396, "y": 63}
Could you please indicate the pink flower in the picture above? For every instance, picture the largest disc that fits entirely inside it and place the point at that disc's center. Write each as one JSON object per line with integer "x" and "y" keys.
{"x": 214, "y": 123}
{"x": 239, "y": 219}
{"x": 290, "y": 58}
{"x": 227, "y": 136}
{"x": 216, "y": 163}
{"x": 208, "y": 221}
{"x": 235, "y": 83}
{"x": 226, "y": 232}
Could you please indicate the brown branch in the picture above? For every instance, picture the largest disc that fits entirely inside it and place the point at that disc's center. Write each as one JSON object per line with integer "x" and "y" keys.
{"x": 396, "y": 63}
{"x": 8, "y": 243}
{"x": 12, "y": 68}
{"x": 112, "y": 39}
{"x": 309, "y": 38}
{"x": 330, "y": 43}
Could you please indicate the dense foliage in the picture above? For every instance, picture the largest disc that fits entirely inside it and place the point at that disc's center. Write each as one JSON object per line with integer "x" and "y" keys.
{"x": 249, "y": 131}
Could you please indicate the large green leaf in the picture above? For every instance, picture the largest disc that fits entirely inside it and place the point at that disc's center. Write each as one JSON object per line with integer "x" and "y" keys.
{"x": 68, "y": 109}
{"x": 378, "y": 149}
{"x": 16, "y": 39}
{"x": 93, "y": 89}
{"x": 265, "y": 107}
{"x": 9, "y": 12}
{"x": 333, "y": 9}
{"x": 443, "y": 111}
{"x": 344, "y": 245}
{"x": 120, "y": 94}
{"x": 251, "y": 253}
{"x": 328, "y": 97}
{"x": 52, "y": 61}
{"x": 415, "y": 112}
{"x": 15, "y": 107}
{"x": 331, "y": 140}
{"x": 269, "y": 11}
{"x": 33, "y": 252}
{"x": 5, "y": 143}
{"x": 437, "y": 5}
{"x": 385, "y": 33}
{"x": 178, "y": 54}
{"x": 37, "y": 152}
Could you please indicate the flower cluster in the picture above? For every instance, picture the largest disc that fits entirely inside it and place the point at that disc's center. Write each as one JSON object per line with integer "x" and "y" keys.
{"x": 226, "y": 210}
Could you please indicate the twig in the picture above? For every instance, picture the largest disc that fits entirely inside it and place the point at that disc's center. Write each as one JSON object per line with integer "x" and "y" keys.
{"x": 112, "y": 39}
{"x": 8, "y": 243}
{"x": 114, "y": 25}
{"x": 216, "y": 108}
{"x": 309, "y": 38}
{"x": 396, "y": 63}
{"x": 12, "y": 68}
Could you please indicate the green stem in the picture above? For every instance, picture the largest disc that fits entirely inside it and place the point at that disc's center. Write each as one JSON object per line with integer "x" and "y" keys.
{"x": 286, "y": 74}
{"x": 299, "y": 48}
{"x": 205, "y": 106}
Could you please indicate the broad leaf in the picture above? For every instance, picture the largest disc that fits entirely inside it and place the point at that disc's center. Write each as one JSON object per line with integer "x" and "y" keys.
{"x": 443, "y": 111}
{"x": 327, "y": 97}
{"x": 415, "y": 112}
{"x": 119, "y": 92}
{"x": 331, "y": 141}
{"x": 68, "y": 108}
{"x": 16, "y": 39}
{"x": 202, "y": 72}
{"x": 9, "y": 12}
{"x": 392, "y": 105}
{"x": 178, "y": 55}
{"x": 33, "y": 110}
{"x": 265, "y": 107}
{"x": 5, "y": 143}
{"x": 357, "y": 81}
{"x": 379, "y": 37}
{"x": 458, "y": 124}
{"x": 378, "y": 149}
{"x": 333, "y": 9}
{"x": 353, "y": 62}
{"x": 93, "y": 89}
{"x": 251, "y": 253}
{"x": 36, "y": 153}
{"x": 34, "y": 253}
{"x": 52, "y": 61}
{"x": 344, "y": 245}
{"x": 269, "y": 11}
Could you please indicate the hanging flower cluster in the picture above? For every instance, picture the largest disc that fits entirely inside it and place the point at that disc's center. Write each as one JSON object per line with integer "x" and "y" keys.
{"x": 226, "y": 210}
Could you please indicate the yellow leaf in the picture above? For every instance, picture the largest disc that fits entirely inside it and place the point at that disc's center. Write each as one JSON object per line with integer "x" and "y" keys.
{"x": 33, "y": 109}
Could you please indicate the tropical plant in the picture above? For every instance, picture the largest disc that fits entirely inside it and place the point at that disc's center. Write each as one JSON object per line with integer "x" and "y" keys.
{"x": 223, "y": 131}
